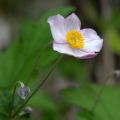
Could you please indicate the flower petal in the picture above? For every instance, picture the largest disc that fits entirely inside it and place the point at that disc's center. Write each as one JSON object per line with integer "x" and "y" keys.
{"x": 72, "y": 22}
{"x": 57, "y": 28}
{"x": 93, "y": 46}
{"x": 89, "y": 33}
{"x": 93, "y": 43}
{"x": 89, "y": 56}
{"x": 83, "y": 54}
{"x": 66, "y": 49}
{"x": 62, "y": 48}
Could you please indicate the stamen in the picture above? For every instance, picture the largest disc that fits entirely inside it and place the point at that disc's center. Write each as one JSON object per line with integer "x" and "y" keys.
{"x": 75, "y": 39}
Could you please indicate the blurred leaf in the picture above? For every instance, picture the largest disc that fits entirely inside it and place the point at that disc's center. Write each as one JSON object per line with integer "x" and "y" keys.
{"x": 42, "y": 101}
{"x": 75, "y": 69}
{"x": 107, "y": 107}
{"x": 5, "y": 98}
{"x": 17, "y": 62}
{"x": 83, "y": 97}
{"x": 85, "y": 115}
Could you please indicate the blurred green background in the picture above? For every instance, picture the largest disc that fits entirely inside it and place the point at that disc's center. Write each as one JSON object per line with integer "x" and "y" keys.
{"x": 77, "y": 89}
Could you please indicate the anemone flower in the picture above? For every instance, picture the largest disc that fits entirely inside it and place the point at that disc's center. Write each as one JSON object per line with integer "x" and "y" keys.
{"x": 70, "y": 39}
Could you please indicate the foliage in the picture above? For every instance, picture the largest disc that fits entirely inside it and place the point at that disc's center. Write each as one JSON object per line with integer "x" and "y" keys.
{"x": 107, "y": 107}
{"x": 17, "y": 62}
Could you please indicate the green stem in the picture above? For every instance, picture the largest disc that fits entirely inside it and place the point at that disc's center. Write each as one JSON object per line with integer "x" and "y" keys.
{"x": 13, "y": 99}
{"x": 37, "y": 88}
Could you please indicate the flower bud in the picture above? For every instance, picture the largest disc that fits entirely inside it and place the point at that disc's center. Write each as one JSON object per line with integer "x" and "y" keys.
{"x": 26, "y": 112}
{"x": 23, "y": 91}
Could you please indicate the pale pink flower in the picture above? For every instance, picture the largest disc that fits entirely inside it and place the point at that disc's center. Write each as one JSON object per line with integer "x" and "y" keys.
{"x": 70, "y": 39}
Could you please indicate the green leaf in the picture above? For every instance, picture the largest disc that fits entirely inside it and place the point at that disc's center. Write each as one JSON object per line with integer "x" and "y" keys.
{"x": 83, "y": 97}
{"x": 74, "y": 68}
{"x": 85, "y": 115}
{"x": 17, "y": 62}
{"x": 107, "y": 107}
{"x": 42, "y": 101}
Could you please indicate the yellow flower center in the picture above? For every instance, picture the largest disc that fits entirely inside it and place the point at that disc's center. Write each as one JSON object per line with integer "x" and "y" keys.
{"x": 75, "y": 39}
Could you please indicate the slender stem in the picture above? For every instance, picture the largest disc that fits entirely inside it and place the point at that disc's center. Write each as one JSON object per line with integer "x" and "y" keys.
{"x": 37, "y": 61}
{"x": 37, "y": 88}
{"x": 13, "y": 99}
{"x": 102, "y": 89}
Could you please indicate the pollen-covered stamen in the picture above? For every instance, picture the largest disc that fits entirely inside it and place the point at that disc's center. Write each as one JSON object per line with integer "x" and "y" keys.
{"x": 75, "y": 39}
